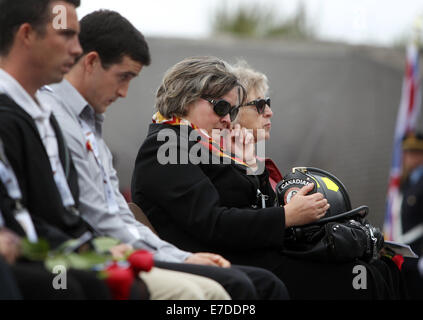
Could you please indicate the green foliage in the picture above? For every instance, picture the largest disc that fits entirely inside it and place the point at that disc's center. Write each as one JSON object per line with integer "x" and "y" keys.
{"x": 80, "y": 261}
{"x": 104, "y": 244}
{"x": 85, "y": 260}
{"x": 245, "y": 21}
{"x": 35, "y": 251}
{"x": 260, "y": 21}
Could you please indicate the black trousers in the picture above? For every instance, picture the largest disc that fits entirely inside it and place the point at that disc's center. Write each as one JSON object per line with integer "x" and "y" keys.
{"x": 413, "y": 279}
{"x": 36, "y": 283}
{"x": 339, "y": 281}
{"x": 309, "y": 280}
{"x": 241, "y": 282}
{"x": 8, "y": 286}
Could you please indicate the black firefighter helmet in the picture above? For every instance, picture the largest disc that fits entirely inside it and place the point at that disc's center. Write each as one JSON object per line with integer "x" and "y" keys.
{"x": 325, "y": 183}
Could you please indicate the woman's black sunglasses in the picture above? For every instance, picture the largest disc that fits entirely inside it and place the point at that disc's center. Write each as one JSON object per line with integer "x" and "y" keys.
{"x": 259, "y": 103}
{"x": 222, "y": 108}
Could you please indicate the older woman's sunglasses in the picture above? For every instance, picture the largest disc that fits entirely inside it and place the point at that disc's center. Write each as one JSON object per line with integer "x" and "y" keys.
{"x": 260, "y": 104}
{"x": 222, "y": 107}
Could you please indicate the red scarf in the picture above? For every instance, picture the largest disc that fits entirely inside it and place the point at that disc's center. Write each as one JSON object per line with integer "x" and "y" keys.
{"x": 211, "y": 145}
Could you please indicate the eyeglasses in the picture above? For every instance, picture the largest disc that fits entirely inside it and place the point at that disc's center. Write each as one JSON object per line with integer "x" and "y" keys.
{"x": 222, "y": 107}
{"x": 260, "y": 104}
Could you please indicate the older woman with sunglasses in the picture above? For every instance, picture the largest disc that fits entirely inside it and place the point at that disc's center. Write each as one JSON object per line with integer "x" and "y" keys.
{"x": 256, "y": 113}
{"x": 310, "y": 278}
{"x": 197, "y": 195}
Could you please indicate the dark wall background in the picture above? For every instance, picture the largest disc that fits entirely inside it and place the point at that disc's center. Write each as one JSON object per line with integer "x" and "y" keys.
{"x": 334, "y": 106}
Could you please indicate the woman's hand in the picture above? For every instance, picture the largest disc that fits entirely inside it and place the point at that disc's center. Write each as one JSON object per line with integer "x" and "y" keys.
{"x": 304, "y": 209}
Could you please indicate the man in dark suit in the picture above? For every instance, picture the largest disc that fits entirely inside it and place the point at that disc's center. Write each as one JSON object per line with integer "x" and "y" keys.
{"x": 412, "y": 189}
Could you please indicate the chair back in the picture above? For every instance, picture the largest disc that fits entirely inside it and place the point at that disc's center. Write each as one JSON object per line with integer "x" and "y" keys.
{"x": 140, "y": 216}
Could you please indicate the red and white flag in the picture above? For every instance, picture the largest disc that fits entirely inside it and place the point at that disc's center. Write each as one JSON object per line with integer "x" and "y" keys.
{"x": 408, "y": 114}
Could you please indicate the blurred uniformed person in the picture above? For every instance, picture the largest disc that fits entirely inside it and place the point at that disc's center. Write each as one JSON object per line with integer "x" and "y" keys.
{"x": 412, "y": 210}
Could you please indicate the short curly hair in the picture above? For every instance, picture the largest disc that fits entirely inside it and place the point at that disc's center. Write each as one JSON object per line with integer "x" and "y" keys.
{"x": 250, "y": 78}
{"x": 191, "y": 79}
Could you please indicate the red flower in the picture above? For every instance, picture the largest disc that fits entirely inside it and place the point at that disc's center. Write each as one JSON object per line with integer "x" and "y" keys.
{"x": 141, "y": 260}
{"x": 399, "y": 260}
{"x": 119, "y": 280}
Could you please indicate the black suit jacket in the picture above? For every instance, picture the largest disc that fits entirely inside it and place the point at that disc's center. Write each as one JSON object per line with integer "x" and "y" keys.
{"x": 29, "y": 160}
{"x": 6, "y": 206}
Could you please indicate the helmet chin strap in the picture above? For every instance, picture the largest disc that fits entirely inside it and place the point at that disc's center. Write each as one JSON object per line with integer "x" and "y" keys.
{"x": 361, "y": 211}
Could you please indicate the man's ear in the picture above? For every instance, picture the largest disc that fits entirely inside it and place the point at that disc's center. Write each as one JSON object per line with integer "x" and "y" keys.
{"x": 26, "y": 34}
{"x": 91, "y": 61}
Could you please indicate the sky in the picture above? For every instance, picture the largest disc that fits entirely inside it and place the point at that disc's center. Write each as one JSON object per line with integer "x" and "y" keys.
{"x": 378, "y": 22}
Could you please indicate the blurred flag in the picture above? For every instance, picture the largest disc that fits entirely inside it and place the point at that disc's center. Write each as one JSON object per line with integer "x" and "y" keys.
{"x": 408, "y": 113}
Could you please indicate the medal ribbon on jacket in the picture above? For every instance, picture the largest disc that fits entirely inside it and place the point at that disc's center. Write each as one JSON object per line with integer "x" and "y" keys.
{"x": 8, "y": 178}
{"x": 92, "y": 146}
{"x": 211, "y": 145}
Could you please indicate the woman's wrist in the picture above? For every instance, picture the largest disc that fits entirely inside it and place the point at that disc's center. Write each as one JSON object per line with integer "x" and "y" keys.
{"x": 287, "y": 212}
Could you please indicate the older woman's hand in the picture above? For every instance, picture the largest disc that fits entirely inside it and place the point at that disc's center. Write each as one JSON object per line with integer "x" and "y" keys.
{"x": 10, "y": 245}
{"x": 243, "y": 145}
{"x": 304, "y": 209}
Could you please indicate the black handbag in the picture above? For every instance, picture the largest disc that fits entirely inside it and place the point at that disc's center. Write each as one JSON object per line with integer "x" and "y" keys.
{"x": 342, "y": 235}
{"x": 337, "y": 241}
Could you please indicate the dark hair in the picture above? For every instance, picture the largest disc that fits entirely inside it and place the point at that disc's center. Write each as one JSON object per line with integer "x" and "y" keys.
{"x": 113, "y": 37}
{"x": 14, "y": 13}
